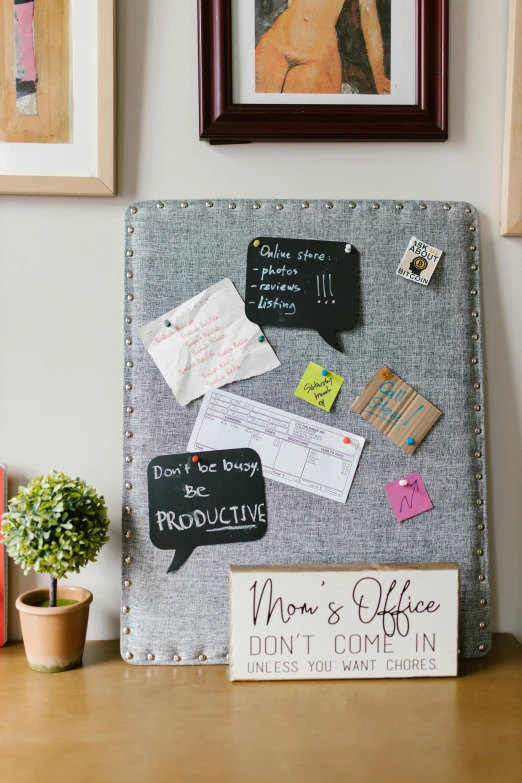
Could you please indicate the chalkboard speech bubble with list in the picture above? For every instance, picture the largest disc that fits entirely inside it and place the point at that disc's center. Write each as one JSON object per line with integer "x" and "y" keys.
{"x": 204, "y": 499}
{"x": 303, "y": 283}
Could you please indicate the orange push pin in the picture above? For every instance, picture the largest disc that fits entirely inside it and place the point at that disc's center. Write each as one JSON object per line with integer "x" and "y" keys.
{"x": 347, "y": 440}
{"x": 195, "y": 458}
{"x": 386, "y": 373}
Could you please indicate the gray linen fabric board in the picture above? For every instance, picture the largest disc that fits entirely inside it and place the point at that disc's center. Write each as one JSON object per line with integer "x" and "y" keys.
{"x": 430, "y": 336}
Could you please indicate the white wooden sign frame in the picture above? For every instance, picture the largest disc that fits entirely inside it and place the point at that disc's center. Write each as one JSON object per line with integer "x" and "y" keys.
{"x": 344, "y": 621}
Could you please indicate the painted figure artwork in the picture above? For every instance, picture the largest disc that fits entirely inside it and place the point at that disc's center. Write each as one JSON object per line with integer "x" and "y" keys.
{"x": 323, "y": 46}
{"x": 34, "y": 71}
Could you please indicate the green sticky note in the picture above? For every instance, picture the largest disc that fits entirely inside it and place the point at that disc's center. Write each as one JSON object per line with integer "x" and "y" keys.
{"x": 318, "y": 389}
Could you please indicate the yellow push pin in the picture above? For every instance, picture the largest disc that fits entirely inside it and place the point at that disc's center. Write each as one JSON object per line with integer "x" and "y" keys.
{"x": 256, "y": 242}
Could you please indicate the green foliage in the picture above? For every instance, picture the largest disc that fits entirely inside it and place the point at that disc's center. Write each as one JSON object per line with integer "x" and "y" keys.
{"x": 55, "y": 525}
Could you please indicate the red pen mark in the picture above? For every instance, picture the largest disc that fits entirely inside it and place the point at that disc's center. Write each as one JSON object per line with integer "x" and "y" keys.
{"x": 414, "y": 488}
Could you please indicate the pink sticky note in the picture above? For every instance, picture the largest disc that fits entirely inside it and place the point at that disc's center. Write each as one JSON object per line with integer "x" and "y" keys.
{"x": 408, "y": 501}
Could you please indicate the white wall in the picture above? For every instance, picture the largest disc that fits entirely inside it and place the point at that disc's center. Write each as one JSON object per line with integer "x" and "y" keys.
{"x": 61, "y": 260}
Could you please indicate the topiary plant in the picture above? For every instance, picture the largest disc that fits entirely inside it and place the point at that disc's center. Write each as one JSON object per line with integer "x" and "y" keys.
{"x": 55, "y": 525}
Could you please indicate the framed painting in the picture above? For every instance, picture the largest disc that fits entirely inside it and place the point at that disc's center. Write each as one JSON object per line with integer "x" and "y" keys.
{"x": 57, "y": 97}
{"x": 319, "y": 70}
{"x": 511, "y": 220}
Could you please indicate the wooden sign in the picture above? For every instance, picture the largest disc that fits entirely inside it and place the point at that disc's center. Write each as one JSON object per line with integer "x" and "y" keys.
{"x": 303, "y": 283}
{"x": 204, "y": 499}
{"x": 396, "y": 410}
{"x": 344, "y": 621}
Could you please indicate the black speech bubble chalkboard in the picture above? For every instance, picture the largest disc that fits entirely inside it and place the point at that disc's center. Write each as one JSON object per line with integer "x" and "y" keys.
{"x": 303, "y": 283}
{"x": 218, "y": 499}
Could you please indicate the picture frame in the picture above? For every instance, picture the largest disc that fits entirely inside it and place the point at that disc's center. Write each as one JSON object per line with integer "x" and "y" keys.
{"x": 511, "y": 216}
{"x": 98, "y": 74}
{"x": 224, "y": 121}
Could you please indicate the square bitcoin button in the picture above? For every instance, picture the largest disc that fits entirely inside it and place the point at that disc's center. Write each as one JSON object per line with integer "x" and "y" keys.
{"x": 419, "y": 262}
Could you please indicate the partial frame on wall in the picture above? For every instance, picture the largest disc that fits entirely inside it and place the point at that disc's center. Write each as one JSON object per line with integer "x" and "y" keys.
{"x": 511, "y": 220}
{"x": 103, "y": 183}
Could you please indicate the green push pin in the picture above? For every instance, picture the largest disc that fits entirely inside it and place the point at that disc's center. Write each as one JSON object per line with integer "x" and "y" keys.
{"x": 167, "y": 323}
{"x": 261, "y": 338}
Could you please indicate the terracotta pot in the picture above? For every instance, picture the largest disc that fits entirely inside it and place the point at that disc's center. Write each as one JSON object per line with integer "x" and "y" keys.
{"x": 54, "y": 637}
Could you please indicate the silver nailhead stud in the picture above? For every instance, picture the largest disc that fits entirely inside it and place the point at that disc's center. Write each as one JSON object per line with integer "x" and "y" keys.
{"x": 474, "y": 313}
{"x": 126, "y": 631}
{"x": 476, "y": 385}
{"x": 160, "y": 205}
{"x": 129, "y": 656}
{"x": 227, "y": 656}
{"x": 128, "y": 560}
{"x": 128, "y": 485}
{"x": 125, "y": 609}
{"x": 480, "y": 552}
{"x": 128, "y": 459}
{"x": 128, "y": 387}
{"x": 127, "y": 583}
{"x": 305, "y": 205}
{"x": 134, "y": 210}
{"x": 255, "y": 205}
{"x": 474, "y": 360}
{"x": 375, "y": 205}
{"x": 472, "y": 228}
{"x": 130, "y": 364}
{"x": 473, "y": 292}
{"x": 483, "y": 602}
{"x": 129, "y": 275}
{"x": 202, "y": 657}
{"x": 468, "y": 210}
{"x": 128, "y": 434}
{"x": 478, "y": 454}
{"x": 480, "y": 527}
{"x": 151, "y": 657}
{"x": 352, "y": 204}
{"x": 128, "y": 319}
{"x": 177, "y": 658}
{"x": 473, "y": 247}
{"x": 482, "y": 626}
{"x": 478, "y": 431}
{"x": 128, "y": 510}
{"x": 130, "y": 253}
{"x": 447, "y": 206}
{"x": 128, "y": 534}
{"x": 482, "y": 648}
{"x": 474, "y": 336}
{"x": 128, "y": 341}
{"x": 130, "y": 410}
{"x": 478, "y": 476}
{"x": 480, "y": 502}
{"x": 209, "y": 204}
{"x": 280, "y": 206}
{"x": 184, "y": 205}
{"x": 329, "y": 205}
{"x": 477, "y": 408}
{"x": 130, "y": 230}
{"x": 232, "y": 205}
{"x": 130, "y": 297}
{"x": 399, "y": 205}
{"x": 473, "y": 267}
{"x": 481, "y": 577}
{"x": 423, "y": 205}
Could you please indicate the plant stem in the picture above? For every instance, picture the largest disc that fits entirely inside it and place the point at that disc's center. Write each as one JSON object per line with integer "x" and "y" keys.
{"x": 52, "y": 591}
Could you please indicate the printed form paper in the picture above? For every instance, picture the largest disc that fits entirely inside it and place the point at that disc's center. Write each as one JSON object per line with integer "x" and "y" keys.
{"x": 210, "y": 342}
{"x": 293, "y": 450}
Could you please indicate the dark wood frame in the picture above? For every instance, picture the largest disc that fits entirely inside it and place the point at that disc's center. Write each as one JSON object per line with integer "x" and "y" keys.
{"x": 223, "y": 122}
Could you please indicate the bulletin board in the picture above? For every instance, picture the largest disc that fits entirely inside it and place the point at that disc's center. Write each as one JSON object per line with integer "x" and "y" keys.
{"x": 430, "y": 336}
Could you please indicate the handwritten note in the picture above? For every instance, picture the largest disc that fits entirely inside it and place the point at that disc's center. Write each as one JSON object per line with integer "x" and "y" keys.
{"x": 206, "y": 343}
{"x": 410, "y": 500}
{"x": 396, "y": 410}
{"x": 303, "y": 283}
{"x": 205, "y": 499}
{"x": 318, "y": 389}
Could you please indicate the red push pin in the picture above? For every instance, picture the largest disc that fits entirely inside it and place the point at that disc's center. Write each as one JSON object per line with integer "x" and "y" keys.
{"x": 195, "y": 458}
{"x": 347, "y": 440}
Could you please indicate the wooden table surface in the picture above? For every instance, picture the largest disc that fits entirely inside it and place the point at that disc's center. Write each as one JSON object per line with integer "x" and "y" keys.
{"x": 110, "y": 721}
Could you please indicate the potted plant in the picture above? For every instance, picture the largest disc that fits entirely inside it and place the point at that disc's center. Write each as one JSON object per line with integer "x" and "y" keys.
{"x": 55, "y": 525}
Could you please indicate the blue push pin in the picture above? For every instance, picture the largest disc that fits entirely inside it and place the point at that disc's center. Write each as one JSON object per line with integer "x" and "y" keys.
{"x": 410, "y": 441}
{"x": 324, "y": 372}
{"x": 167, "y": 323}
{"x": 261, "y": 338}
